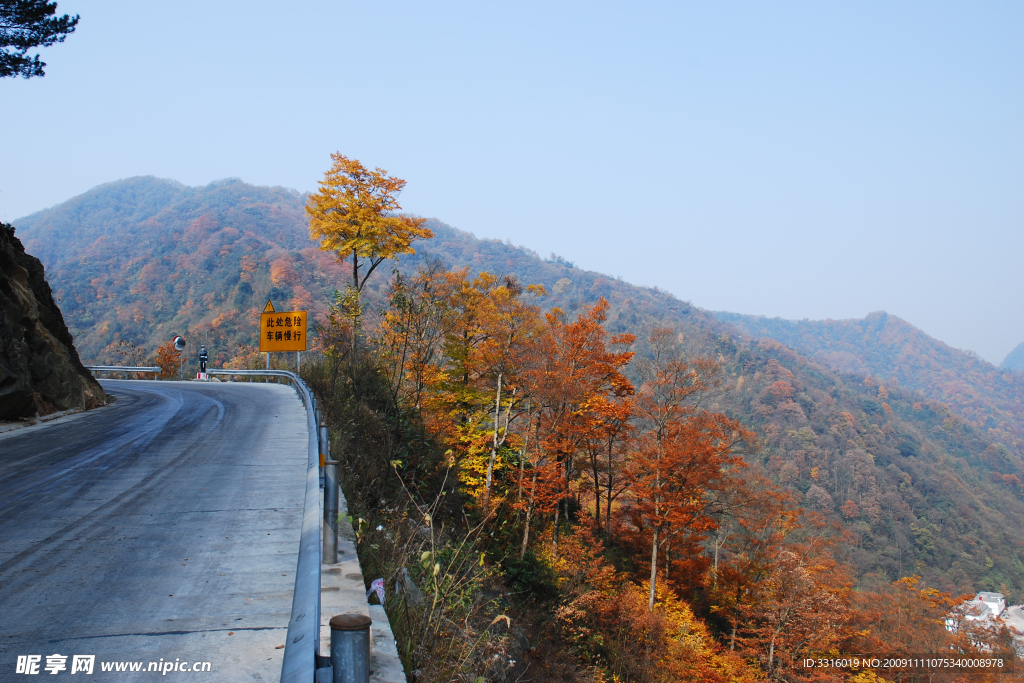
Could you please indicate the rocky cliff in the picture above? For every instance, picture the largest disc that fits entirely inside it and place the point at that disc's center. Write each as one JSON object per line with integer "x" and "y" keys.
{"x": 40, "y": 371}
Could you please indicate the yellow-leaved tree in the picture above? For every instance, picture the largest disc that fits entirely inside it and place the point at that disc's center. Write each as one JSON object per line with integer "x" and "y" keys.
{"x": 354, "y": 213}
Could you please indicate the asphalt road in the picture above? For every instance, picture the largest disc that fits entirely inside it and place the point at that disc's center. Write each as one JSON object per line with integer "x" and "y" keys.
{"x": 162, "y": 527}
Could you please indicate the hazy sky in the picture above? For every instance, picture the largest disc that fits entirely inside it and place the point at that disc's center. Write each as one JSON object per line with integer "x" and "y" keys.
{"x": 817, "y": 159}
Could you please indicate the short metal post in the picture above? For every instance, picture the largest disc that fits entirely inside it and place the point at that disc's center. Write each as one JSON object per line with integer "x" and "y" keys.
{"x": 350, "y": 648}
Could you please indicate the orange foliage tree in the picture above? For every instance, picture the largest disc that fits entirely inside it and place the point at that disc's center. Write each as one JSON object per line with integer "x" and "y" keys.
{"x": 677, "y": 479}
{"x": 354, "y": 215}
{"x": 457, "y": 347}
{"x": 573, "y": 373}
{"x": 684, "y": 460}
{"x": 169, "y": 360}
{"x": 605, "y": 618}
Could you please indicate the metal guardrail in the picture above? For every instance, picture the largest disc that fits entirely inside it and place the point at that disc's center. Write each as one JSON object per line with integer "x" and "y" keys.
{"x": 303, "y": 643}
{"x": 123, "y": 368}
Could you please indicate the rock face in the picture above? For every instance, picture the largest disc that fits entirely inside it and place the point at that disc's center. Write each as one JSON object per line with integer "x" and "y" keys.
{"x": 40, "y": 371}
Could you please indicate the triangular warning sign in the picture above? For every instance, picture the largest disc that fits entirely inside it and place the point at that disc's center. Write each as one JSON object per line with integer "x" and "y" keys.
{"x": 269, "y": 308}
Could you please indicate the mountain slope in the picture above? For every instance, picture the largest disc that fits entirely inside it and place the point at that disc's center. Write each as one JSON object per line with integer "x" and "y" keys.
{"x": 897, "y": 353}
{"x": 144, "y": 259}
{"x": 1015, "y": 359}
{"x": 920, "y": 488}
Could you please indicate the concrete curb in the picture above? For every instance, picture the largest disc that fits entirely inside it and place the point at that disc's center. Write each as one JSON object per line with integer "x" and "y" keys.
{"x": 343, "y": 591}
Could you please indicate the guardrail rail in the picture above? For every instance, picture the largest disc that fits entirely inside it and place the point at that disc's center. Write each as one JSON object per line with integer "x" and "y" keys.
{"x": 156, "y": 369}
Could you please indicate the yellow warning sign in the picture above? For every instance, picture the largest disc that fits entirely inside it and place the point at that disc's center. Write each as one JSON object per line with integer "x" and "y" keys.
{"x": 282, "y": 330}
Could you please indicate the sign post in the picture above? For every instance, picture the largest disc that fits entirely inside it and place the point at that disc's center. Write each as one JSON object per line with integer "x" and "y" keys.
{"x": 179, "y": 345}
{"x": 282, "y": 331}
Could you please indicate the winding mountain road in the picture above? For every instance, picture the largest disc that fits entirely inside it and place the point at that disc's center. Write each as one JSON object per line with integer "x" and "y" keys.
{"x": 164, "y": 526}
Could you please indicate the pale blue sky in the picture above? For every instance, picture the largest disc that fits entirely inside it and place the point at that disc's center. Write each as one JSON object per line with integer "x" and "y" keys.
{"x": 817, "y": 159}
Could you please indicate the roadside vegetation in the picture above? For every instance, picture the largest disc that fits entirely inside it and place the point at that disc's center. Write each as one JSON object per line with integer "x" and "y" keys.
{"x": 549, "y": 501}
{"x": 538, "y": 515}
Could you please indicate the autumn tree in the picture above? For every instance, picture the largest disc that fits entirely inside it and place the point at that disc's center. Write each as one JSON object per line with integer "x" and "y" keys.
{"x": 672, "y": 387}
{"x": 512, "y": 331}
{"x": 354, "y": 215}
{"x": 455, "y": 346}
{"x": 676, "y": 482}
{"x": 130, "y": 353}
{"x": 757, "y": 527}
{"x": 169, "y": 360}
{"x": 910, "y": 616}
{"x": 27, "y": 24}
{"x": 575, "y": 371}
{"x": 495, "y": 330}
{"x": 800, "y": 607}
{"x": 604, "y": 617}
{"x": 608, "y": 434}
{"x": 684, "y": 459}
{"x": 414, "y": 328}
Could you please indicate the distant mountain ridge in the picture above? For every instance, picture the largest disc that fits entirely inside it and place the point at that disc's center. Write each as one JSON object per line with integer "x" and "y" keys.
{"x": 932, "y": 493}
{"x": 1015, "y": 359}
{"x": 892, "y": 350}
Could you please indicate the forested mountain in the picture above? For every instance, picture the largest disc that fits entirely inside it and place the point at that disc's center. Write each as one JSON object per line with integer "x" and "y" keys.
{"x": 925, "y": 484}
{"x": 895, "y": 352}
{"x": 1015, "y": 359}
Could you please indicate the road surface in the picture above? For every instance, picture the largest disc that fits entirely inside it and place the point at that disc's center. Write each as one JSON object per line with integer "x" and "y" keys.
{"x": 162, "y": 527}
{"x": 1014, "y": 617}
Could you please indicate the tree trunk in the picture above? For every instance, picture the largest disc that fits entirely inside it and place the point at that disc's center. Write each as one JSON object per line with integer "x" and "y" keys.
{"x": 611, "y": 480}
{"x": 668, "y": 559}
{"x": 526, "y": 532}
{"x": 654, "y": 569}
{"x": 357, "y": 321}
{"x": 494, "y": 449}
{"x": 554, "y": 544}
{"x": 714, "y": 573}
{"x": 522, "y": 456}
{"x": 608, "y": 501}
{"x": 529, "y": 515}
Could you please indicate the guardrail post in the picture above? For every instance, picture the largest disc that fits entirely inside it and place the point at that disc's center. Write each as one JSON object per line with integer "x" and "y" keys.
{"x": 331, "y": 512}
{"x": 325, "y": 450}
{"x": 331, "y": 501}
{"x": 350, "y": 648}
